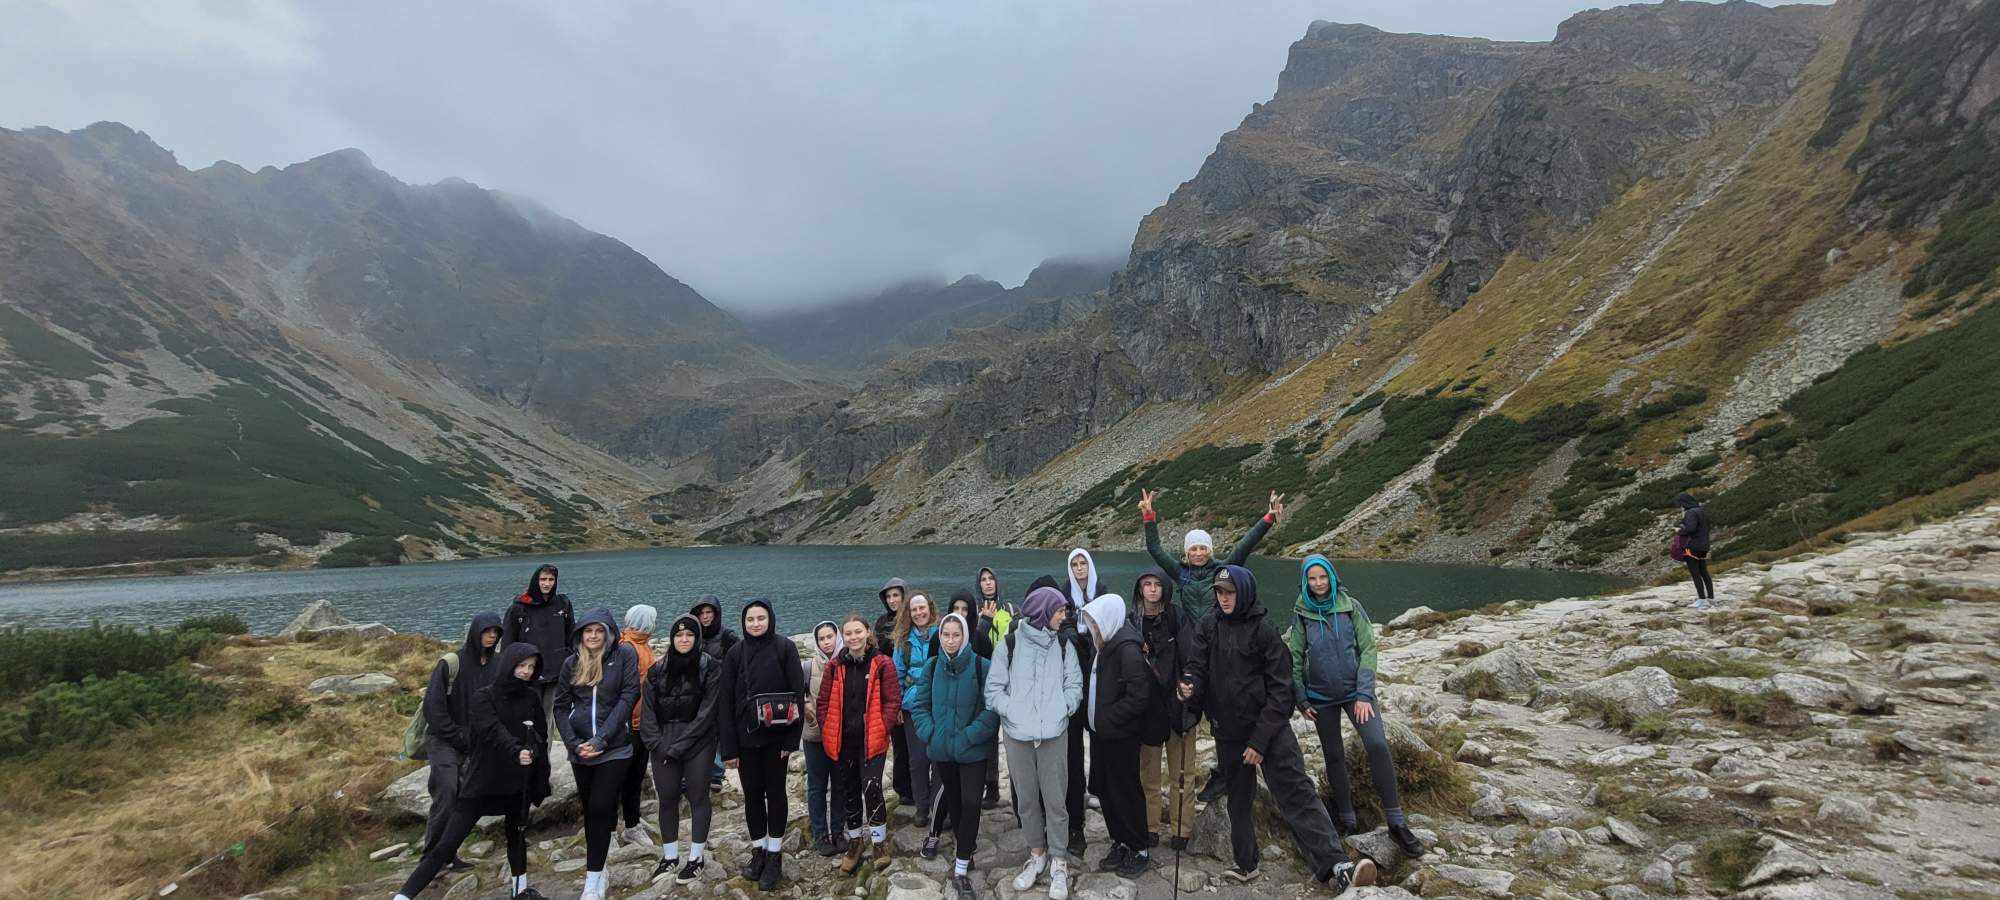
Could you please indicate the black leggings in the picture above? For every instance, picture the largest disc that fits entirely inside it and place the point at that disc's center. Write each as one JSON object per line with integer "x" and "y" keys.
{"x": 859, "y": 783}
{"x": 635, "y": 779}
{"x": 1115, "y": 777}
{"x": 762, "y": 773}
{"x": 465, "y": 815}
{"x": 1381, "y": 763}
{"x": 1704, "y": 586}
{"x": 959, "y": 786}
{"x": 677, "y": 778}
{"x": 599, "y": 786}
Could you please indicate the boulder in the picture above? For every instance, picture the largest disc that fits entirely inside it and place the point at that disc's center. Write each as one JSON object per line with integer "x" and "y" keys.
{"x": 316, "y": 615}
{"x": 1378, "y": 846}
{"x": 1942, "y": 675}
{"x": 913, "y": 886}
{"x": 1844, "y": 810}
{"x": 1828, "y": 653}
{"x": 1807, "y": 691}
{"x": 1506, "y": 667}
{"x": 1781, "y": 860}
{"x": 1448, "y": 879}
{"x": 408, "y": 798}
{"x": 369, "y": 631}
{"x": 1620, "y": 757}
{"x": 1641, "y": 692}
{"x": 352, "y": 685}
{"x": 1626, "y": 833}
{"x": 1555, "y": 843}
{"x": 1410, "y": 615}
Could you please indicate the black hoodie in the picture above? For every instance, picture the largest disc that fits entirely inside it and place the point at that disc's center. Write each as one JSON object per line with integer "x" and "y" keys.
{"x": 545, "y": 621}
{"x": 885, "y": 624}
{"x": 1694, "y": 522}
{"x": 982, "y": 626}
{"x": 1241, "y": 669}
{"x": 715, "y": 639}
{"x": 760, "y": 664}
{"x": 506, "y": 718}
{"x": 1123, "y": 685}
{"x": 1165, "y": 637}
{"x": 680, "y": 699}
{"x": 446, "y": 700}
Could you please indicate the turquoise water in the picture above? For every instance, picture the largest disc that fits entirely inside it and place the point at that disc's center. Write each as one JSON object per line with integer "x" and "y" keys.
{"x": 806, "y": 584}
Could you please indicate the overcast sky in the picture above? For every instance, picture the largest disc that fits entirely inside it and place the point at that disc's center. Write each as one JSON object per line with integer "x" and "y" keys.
{"x": 765, "y": 152}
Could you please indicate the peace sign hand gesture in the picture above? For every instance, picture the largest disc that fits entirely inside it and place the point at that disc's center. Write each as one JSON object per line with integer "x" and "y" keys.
{"x": 1277, "y": 505}
{"x": 1146, "y": 501}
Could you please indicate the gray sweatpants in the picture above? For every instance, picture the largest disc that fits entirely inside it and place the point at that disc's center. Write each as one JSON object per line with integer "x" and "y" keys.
{"x": 1039, "y": 771}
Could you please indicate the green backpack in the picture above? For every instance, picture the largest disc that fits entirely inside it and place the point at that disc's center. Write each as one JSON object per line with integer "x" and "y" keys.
{"x": 415, "y": 745}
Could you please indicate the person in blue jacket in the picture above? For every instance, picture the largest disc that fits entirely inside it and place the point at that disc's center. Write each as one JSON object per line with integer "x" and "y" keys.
{"x": 950, "y": 717}
{"x": 916, "y": 624}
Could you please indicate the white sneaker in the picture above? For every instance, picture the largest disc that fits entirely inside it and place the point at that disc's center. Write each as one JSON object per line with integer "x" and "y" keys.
{"x": 1059, "y": 881}
{"x": 1031, "y": 872}
{"x": 637, "y": 834}
{"x": 1701, "y": 604}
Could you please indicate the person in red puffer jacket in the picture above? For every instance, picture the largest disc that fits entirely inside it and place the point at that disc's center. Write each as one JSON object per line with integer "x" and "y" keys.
{"x": 858, "y": 702}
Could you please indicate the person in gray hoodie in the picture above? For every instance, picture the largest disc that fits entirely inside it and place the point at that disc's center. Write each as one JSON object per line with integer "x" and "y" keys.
{"x": 595, "y": 694}
{"x": 1035, "y": 684}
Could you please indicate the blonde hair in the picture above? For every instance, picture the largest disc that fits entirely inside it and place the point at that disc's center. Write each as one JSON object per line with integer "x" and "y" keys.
{"x": 903, "y": 622}
{"x": 590, "y": 663}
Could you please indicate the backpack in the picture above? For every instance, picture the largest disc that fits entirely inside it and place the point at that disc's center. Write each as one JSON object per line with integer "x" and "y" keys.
{"x": 415, "y": 736}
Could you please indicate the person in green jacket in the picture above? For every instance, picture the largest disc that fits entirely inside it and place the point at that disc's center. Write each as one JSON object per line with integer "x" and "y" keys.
{"x": 949, "y": 714}
{"x": 1333, "y": 672}
{"x": 1194, "y": 574}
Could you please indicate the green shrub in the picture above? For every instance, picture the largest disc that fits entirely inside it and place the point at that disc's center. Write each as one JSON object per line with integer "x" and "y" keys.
{"x": 98, "y": 709}
{"x": 1412, "y": 427}
{"x": 217, "y": 623}
{"x": 1482, "y": 686}
{"x": 33, "y": 658}
{"x": 370, "y": 550}
{"x": 1688, "y": 667}
{"x": 1725, "y": 859}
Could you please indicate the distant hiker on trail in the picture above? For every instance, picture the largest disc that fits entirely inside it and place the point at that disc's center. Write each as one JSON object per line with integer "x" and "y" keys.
{"x": 823, "y": 810}
{"x": 891, "y": 596}
{"x": 543, "y": 617}
{"x": 763, "y": 687}
{"x": 916, "y": 624}
{"x": 504, "y": 772}
{"x": 1240, "y": 674}
{"x": 595, "y": 694}
{"x": 638, "y": 635}
{"x": 1166, "y": 635}
{"x": 447, "y": 702}
{"x": 680, "y": 714}
{"x": 950, "y": 716}
{"x": 858, "y": 703}
{"x": 1116, "y": 705}
{"x": 1035, "y": 683}
{"x": 1691, "y": 540}
{"x": 1333, "y": 667}
{"x": 1194, "y": 574}
{"x": 1082, "y": 586}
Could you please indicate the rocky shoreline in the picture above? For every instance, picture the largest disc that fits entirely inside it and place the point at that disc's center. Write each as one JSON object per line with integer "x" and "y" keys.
{"x": 1826, "y": 731}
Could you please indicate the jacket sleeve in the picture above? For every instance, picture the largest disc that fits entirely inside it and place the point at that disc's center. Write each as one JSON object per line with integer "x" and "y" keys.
{"x": 1249, "y": 543}
{"x": 618, "y": 731}
{"x": 1295, "y": 641}
{"x": 510, "y": 624}
{"x": 996, "y": 678}
{"x": 726, "y": 710}
{"x": 922, "y": 723}
{"x": 987, "y": 722}
{"x": 892, "y": 698}
{"x": 1364, "y": 644}
{"x": 564, "y": 703}
{"x": 1072, "y": 683}
{"x": 1135, "y": 697}
{"x": 437, "y": 710}
{"x": 1690, "y": 523}
{"x": 1274, "y": 667}
{"x": 822, "y": 699}
{"x": 488, "y": 732}
{"x": 649, "y": 720}
{"x": 795, "y": 676}
{"x": 713, "y": 702}
{"x": 1167, "y": 564}
{"x": 569, "y": 625}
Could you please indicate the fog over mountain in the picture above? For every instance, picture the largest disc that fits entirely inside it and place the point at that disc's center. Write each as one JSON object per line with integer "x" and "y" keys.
{"x": 767, "y": 153}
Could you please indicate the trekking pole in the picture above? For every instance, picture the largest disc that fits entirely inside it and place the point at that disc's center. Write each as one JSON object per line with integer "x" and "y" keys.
{"x": 526, "y": 778}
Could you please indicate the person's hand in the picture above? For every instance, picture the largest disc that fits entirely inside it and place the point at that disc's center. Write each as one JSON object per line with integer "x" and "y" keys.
{"x": 731, "y": 763}
{"x": 1277, "y": 505}
{"x": 1252, "y": 757}
{"x": 588, "y": 750}
{"x": 1363, "y": 711}
{"x": 784, "y": 756}
{"x": 1311, "y": 715}
{"x": 1146, "y": 501}
{"x": 1187, "y": 690}
{"x": 527, "y": 757}
{"x": 990, "y": 608}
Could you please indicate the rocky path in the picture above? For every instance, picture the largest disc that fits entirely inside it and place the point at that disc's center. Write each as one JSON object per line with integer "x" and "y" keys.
{"x": 1828, "y": 730}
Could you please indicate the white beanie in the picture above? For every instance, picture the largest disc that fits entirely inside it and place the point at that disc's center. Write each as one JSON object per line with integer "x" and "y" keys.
{"x": 1197, "y": 538}
{"x": 642, "y": 618}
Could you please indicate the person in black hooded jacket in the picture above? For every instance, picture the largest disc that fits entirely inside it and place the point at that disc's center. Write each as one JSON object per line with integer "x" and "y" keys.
{"x": 679, "y": 717}
{"x": 716, "y": 638}
{"x": 543, "y": 617}
{"x": 761, "y": 672}
{"x": 891, "y": 595}
{"x": 1240, "y": 673}
{"x": 1118, "y": 701}
{"x": 446, "y": 699}
{"x": 505, "y": 770}
{"x": 1694, "y": 535}
{"x": 1166, "y": 632}
{"x": 595, "y": 694}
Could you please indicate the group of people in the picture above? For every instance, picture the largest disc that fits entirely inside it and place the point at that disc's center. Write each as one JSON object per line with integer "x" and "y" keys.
{"x": 1084, "y": 691}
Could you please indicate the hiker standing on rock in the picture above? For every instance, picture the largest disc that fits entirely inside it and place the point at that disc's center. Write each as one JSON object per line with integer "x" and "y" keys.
{"x": 823, "y": 809}
{"x": 1241, "y": 675}
{"x": 763, "y": 689}
{"x": 1333, "y": 668}
{"x": 951, "y": 717}
{"x": 504, "y": 771}
{"x": 716, "y": 639}
{"x": 1082, "y": 588}
{"x": 1169, "y": 733}
{"x": 996, "y": 620}
{"x": 891, "y": 595}
{"x": 447, "y": 700}
{"x": 679, "y": 714}
{"x": 543, "y": 617}
{"x": 916, "y": 625}
{"x": 1119, "y": 698}
{"x": 638, "y": 635}
{"x": 1034, "y": 685}
{"x": 595, "y": 694}
{"x": 1693, "y": 539}
{"x": 858, "y": 702}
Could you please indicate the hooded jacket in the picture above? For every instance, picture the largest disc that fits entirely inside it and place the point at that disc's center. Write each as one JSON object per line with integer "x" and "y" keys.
{"x": 641, "y": 643}
{"x": 715, "y": 639}
{"x": 1072, "y": 627}
{"x": 1121, "y": 692}
{"x": 1694, "y": 523}
{"x": 882, "y": 702}
{"x": 758, "y": 665}
{"x": 679, "y": 701}
{"x": 1003, "y": 612}
{"x": 548, "y": 622}
{"x": 981, "y": 637}
{"x": 911, "y": 655}
{"x": 447, "y": 702}
{"x": 1037, "y": 684}
{"x": 949, "y": 714}
{"x": 885, "y": 624}
{"x": 1165, "y": 637}
{"x": 1196, "y": 584}
{"x": 1241, "y": 671}
{"x": 600, "y": 714}
{"x": 1333, "y": 654}
{"x": 816, "y": 666}
{"x": 505, "y": 718}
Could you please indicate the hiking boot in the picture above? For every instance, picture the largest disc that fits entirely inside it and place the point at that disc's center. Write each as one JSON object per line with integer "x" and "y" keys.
{"x": 774, "y": 872}
{"x": 1031, "y": 872}
{"x": 457, "y": 864}
{"x": 1214, "y": 789}
{"x": 961, "y": 888}
{"x": 1407, "y": 841}
{"x": 1113, "y": 860}
{"x": 855, "y": 849}
{"x": 1241, "y": 875}
{"x": 1338, "y": 878}
{"x": 824, "y": 846}
{"x": 930, "y": 848}
{"x": 1136, "y": 863}
{"x": 882, "y": 850}
{"x": 530, "y": 894}
{"x": 755, "y": 870}
{"x": 1701, "y": 604}
{"x": 690, "y": 871}
{"x": 1077, "y": 842}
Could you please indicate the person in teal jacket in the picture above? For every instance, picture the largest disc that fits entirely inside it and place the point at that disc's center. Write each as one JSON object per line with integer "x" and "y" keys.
{"x": 1333, "y": 673}
{"x": 950, "y": 717}
{"x": 916, "y": 624}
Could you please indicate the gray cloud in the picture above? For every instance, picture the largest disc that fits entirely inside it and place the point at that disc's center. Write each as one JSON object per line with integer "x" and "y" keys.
{"x": 763, "y": 152}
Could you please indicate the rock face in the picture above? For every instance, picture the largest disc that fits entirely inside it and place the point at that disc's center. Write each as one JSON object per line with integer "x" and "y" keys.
{"x": 1642, "y": 691}
{"x": 1506, "y": 669}
{"x": 352, "y": 685}
{"x": 316, "y": 615}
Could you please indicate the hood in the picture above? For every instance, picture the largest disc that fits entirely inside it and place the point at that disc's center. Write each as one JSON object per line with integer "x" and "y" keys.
{"x": 968, "y": 598}
{"x": 837, "y": 642}
{"x": 1081, "y": 593}
{"x": 883, "y": 594}
{"x": 956, "y": 660}
{"x": 480, "y": 623}
{"x": 642, "y": 618}
{"x": 511, "y": 656}
{"x": 1318, "y": 606}
{"x": 758, "y": 603}
{"x": 708, "y": 632}
{"x": 1685, "y": 500}
{"x": 1045, "y": 581}
{"x": 983, "y": 571}
{"x": 1108, "y": 612}
{"x": 687, "y": 622}
{"x": 1042, "y": 604}
{"x": 599, "y": 616}
{"x": 1166, "y": 590}
{"x": 533, "y": 596}
{"x": 1247, "y": 606}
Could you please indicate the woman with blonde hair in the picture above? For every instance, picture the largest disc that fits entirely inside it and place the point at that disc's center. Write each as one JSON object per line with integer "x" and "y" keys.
{"x": 916, "y": 624}
{"x": 595, "y": 693}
